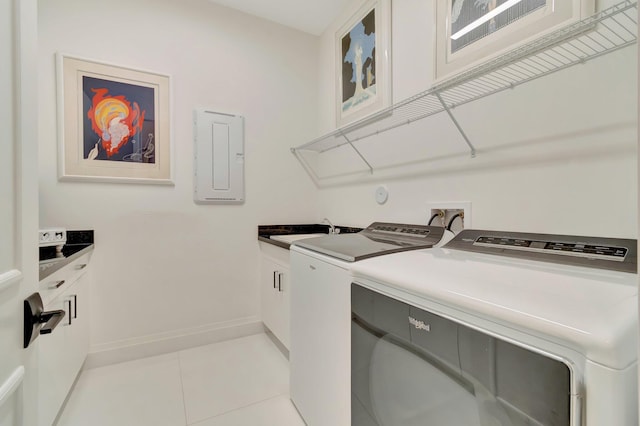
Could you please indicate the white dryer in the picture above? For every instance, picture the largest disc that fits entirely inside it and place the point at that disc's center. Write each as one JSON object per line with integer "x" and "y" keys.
{"x": 497, "y": 328}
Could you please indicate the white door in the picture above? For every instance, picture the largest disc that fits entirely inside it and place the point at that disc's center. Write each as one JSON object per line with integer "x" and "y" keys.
{"x": 18, "y": 206}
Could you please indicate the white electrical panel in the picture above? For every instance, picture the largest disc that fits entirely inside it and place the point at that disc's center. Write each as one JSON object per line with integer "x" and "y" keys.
{"x": 219, "y": 157}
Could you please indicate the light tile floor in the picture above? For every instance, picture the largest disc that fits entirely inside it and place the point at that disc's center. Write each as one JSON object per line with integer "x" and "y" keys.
{"x": 241, "y": 382}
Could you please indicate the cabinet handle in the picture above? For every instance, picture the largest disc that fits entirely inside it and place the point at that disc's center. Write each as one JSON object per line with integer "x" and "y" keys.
{"x": 70, "y": 316}
{"x": 279, "y": 281}
{"x": 57, "y": 284}
{"x": 274, "y": 278}
{"x": 81, "y": 266}
{"x": 75, "y": 306}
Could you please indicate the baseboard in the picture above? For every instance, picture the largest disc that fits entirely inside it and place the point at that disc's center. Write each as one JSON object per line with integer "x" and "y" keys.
{"x": 158, "y": 344}
{"x": 282, "y": 348}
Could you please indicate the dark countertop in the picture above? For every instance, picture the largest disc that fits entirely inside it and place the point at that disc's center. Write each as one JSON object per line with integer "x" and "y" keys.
{"x": 266, "y": 231}
{"x": 52, "y": 260}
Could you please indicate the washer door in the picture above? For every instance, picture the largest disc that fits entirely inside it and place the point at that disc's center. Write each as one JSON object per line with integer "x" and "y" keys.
{"x": 405, "y": 391}
{"x": 410, "y": 367}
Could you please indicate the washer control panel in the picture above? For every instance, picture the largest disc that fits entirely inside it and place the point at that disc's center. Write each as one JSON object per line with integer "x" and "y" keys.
{"x": 595, "y": 252}
{"x": 402, "y": 230}
{"x": 577, "y": 249}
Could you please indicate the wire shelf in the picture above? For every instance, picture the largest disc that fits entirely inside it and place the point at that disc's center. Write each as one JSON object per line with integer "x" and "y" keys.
{"x": 609, "y": 30}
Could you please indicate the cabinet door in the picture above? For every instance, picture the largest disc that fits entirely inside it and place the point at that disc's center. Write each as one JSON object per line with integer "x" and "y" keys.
{"x": 53, "y": 366}
{"x": 78, "y": 332}
{"x": 275, "y": 298}
{"x": 62, "y": 353}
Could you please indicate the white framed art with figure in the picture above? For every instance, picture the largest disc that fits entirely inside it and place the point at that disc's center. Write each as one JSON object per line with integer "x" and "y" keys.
{"x": 363, "y": 62}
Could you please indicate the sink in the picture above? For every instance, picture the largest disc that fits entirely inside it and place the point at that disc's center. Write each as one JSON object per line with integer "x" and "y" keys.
{"x": 294, "y": 237}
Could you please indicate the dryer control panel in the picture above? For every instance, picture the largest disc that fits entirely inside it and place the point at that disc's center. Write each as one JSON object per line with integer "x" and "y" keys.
{"x": 595, "y": 252}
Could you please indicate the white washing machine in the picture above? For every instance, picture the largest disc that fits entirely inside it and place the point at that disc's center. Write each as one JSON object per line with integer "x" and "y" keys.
{"x": 320, "y": 349}
{"x": 497, "y": 328}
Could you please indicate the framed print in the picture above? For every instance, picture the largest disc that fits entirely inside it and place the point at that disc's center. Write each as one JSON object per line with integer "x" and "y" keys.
{"x": 113, "y": 123}
{"x": 470, "y": 32}
{"x": 363, "y": 56}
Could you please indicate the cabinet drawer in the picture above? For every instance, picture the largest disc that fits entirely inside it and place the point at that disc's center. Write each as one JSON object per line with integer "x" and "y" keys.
{"x": 278, "y": 254}
{"x": 55, "y": 284}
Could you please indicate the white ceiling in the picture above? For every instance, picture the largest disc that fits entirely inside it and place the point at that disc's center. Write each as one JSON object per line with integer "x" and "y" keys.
{"x": 310, "y": 16}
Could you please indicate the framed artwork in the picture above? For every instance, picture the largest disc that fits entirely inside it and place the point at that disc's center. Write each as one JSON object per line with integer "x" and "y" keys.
{"x": 113, "y": 123}
{"x": 363, "y": 59}
{"x": 470, "y": 32}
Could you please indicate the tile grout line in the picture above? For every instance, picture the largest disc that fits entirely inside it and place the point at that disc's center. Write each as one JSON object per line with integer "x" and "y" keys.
{"x": 184, "y": 401}
{"x": 238, "y": 408}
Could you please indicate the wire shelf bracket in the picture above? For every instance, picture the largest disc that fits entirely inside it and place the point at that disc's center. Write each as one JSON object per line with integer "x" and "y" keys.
{"x": 358, "y": 152}
{"x": 455, "y": 122}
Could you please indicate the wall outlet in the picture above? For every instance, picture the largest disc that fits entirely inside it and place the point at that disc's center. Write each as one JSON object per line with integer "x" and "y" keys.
{"x": 446, "y": 211}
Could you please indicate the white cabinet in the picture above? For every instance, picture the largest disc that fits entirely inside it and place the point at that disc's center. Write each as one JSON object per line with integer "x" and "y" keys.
{"x": 275, "y": 291}
{"x": 62, "y": 353}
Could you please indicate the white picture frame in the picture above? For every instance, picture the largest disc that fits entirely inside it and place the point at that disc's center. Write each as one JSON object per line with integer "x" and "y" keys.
{"x": 363, "y": 76}
{"x": 468, "y": 33}
{"x": 113, "y": 123}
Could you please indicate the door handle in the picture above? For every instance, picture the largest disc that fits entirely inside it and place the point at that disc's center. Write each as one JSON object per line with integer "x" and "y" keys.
{"x": 35, "y": 317}
{"x": 81, "y": 266}
{"x": 51, "y": 319}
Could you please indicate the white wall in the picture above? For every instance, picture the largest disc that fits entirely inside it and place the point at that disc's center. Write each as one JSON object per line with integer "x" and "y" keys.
{"x": 163, "y": 264}
{"x": 557, "y": 155}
